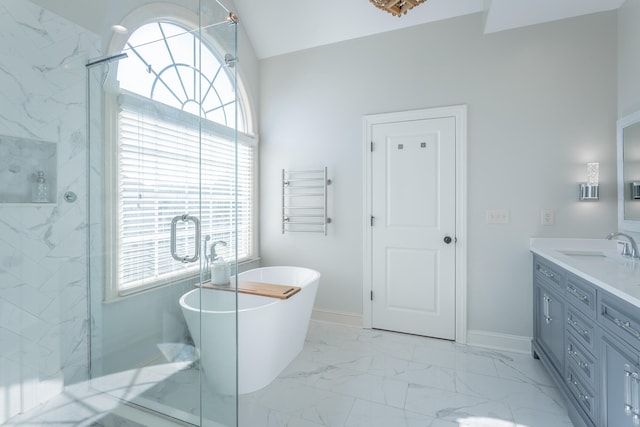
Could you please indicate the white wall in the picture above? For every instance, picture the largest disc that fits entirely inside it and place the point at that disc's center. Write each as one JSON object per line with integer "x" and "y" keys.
{"x": 541, "y": 103}
{"x": 628, "y": 58}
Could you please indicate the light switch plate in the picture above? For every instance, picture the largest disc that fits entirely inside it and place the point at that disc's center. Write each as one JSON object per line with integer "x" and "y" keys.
{"x": 498, "y": 216}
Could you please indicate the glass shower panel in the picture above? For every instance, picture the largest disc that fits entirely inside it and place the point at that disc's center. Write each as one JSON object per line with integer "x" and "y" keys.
{"x": 219, "y": 321}
{"x": 161, "y": 194}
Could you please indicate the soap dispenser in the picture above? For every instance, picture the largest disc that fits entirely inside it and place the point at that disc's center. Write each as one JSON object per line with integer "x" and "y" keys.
{"x": 40, "y": 189}
{"x": 220, "y": 269}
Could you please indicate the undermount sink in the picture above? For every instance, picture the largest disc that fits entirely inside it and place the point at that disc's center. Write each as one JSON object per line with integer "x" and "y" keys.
{"x": 587, "y": 254}
{"x": 596, "y": 257}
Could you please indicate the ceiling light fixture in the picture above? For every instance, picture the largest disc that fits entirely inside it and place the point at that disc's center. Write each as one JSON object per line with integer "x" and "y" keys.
{"x": 396, "y": 7}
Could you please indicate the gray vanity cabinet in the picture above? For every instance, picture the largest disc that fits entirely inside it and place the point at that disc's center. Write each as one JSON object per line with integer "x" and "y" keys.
{"x": 549, "y": 313}
{"x": 549, "y": 325}
{"x": 582, "y": 366}
{"x": 619, "y": 383}
{"x": 565, "y": 337}
{"x": 581, "y": 294}
{"x": 589, "y": 340}
{"x": 620, "y": 354}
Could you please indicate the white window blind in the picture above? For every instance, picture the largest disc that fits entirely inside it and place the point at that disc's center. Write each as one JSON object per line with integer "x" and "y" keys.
{"x": 171, "y": 163}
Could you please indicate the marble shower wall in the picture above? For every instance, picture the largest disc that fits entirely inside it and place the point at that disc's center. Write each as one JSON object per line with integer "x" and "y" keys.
{"x": 43, "y": 289}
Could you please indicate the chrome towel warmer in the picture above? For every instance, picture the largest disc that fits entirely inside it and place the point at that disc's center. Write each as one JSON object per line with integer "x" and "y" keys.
{"x": 304, "y": 201}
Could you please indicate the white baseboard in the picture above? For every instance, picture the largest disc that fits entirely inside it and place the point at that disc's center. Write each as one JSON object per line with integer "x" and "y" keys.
{"x": 351, "y": 319}
{"x": 515, "y": 343}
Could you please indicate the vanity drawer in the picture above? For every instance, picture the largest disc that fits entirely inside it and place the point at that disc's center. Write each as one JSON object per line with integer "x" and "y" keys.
{"x": 581, "y": 294}
{"x": 581, "y": 328}
{"x": 548, "y": 273}
{"x": 581, "y": 361}
{"x": 620, "y": 317}
{"x": 582, "y": 393}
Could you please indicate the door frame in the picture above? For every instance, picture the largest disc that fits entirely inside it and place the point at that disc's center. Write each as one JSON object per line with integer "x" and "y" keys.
{"x": 459, "y": 113}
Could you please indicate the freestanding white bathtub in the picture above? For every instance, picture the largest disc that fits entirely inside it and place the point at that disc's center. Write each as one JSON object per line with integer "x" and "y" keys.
{"x": 271, "y": 332}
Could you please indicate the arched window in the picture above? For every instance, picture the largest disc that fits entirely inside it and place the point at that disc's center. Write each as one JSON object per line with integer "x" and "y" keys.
{"x": 177, "y": 153}
{"x": 173, "y": 69}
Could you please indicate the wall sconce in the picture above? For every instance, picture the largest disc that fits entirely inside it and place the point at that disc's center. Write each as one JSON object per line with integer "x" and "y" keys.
{"x": 635, "y": 190}
{"x": 591, "y": 189}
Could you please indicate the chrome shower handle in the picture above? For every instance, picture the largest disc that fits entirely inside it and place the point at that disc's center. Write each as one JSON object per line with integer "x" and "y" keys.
{"x": 174, "y": 222}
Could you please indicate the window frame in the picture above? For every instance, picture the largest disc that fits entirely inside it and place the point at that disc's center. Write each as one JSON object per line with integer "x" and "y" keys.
{"x": 111, "y": 172}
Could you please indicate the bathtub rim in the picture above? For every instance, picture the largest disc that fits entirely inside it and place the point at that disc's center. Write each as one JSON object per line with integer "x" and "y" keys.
{"x": 315, "y": 276}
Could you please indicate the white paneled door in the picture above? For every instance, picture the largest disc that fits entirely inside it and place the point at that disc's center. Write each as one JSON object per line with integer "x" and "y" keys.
{"x": 413, "y": 233}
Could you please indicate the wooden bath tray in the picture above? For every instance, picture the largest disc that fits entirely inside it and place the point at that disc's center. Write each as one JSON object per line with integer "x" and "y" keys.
{"x": 257, "y": 288}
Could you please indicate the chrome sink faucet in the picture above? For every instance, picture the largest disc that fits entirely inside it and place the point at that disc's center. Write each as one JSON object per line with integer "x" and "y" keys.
{"x": 625, "y": 249}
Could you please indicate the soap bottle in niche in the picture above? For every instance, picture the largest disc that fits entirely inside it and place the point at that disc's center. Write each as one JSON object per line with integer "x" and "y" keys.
{"x": 220, "y": 269}
{"x": 40, "y": 189}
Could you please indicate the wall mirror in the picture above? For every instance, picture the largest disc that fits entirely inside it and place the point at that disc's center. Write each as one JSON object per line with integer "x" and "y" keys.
{"x": 628, "y": 134}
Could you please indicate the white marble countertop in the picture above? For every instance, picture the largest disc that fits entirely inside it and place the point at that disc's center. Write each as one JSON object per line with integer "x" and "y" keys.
{"x": 595, "y": 260}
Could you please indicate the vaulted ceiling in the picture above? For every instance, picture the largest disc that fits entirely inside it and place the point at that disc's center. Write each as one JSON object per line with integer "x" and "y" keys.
{"x": 280, "y": 26}
{"x": 276, "y": 27}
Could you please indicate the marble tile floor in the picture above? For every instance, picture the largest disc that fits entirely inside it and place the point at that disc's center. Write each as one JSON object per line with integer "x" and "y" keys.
{"x": 98, "y": 403}
{"x": 347, "y": 377}
{"x": 351, "y": 377}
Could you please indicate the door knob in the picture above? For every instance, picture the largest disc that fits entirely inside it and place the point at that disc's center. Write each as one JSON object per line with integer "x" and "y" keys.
{"x": 447, "y": 240}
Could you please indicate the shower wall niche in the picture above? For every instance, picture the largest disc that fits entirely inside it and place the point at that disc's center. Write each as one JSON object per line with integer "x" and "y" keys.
{"x": 21, "y": 160}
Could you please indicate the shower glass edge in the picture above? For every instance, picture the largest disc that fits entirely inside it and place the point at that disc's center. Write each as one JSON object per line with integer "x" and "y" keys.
{"x": 141, "y": 351}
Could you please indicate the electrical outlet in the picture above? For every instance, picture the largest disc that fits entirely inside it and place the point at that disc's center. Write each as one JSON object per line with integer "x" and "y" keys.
{"x": 498, "y": 216}
{"x": 548, "y": 217}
